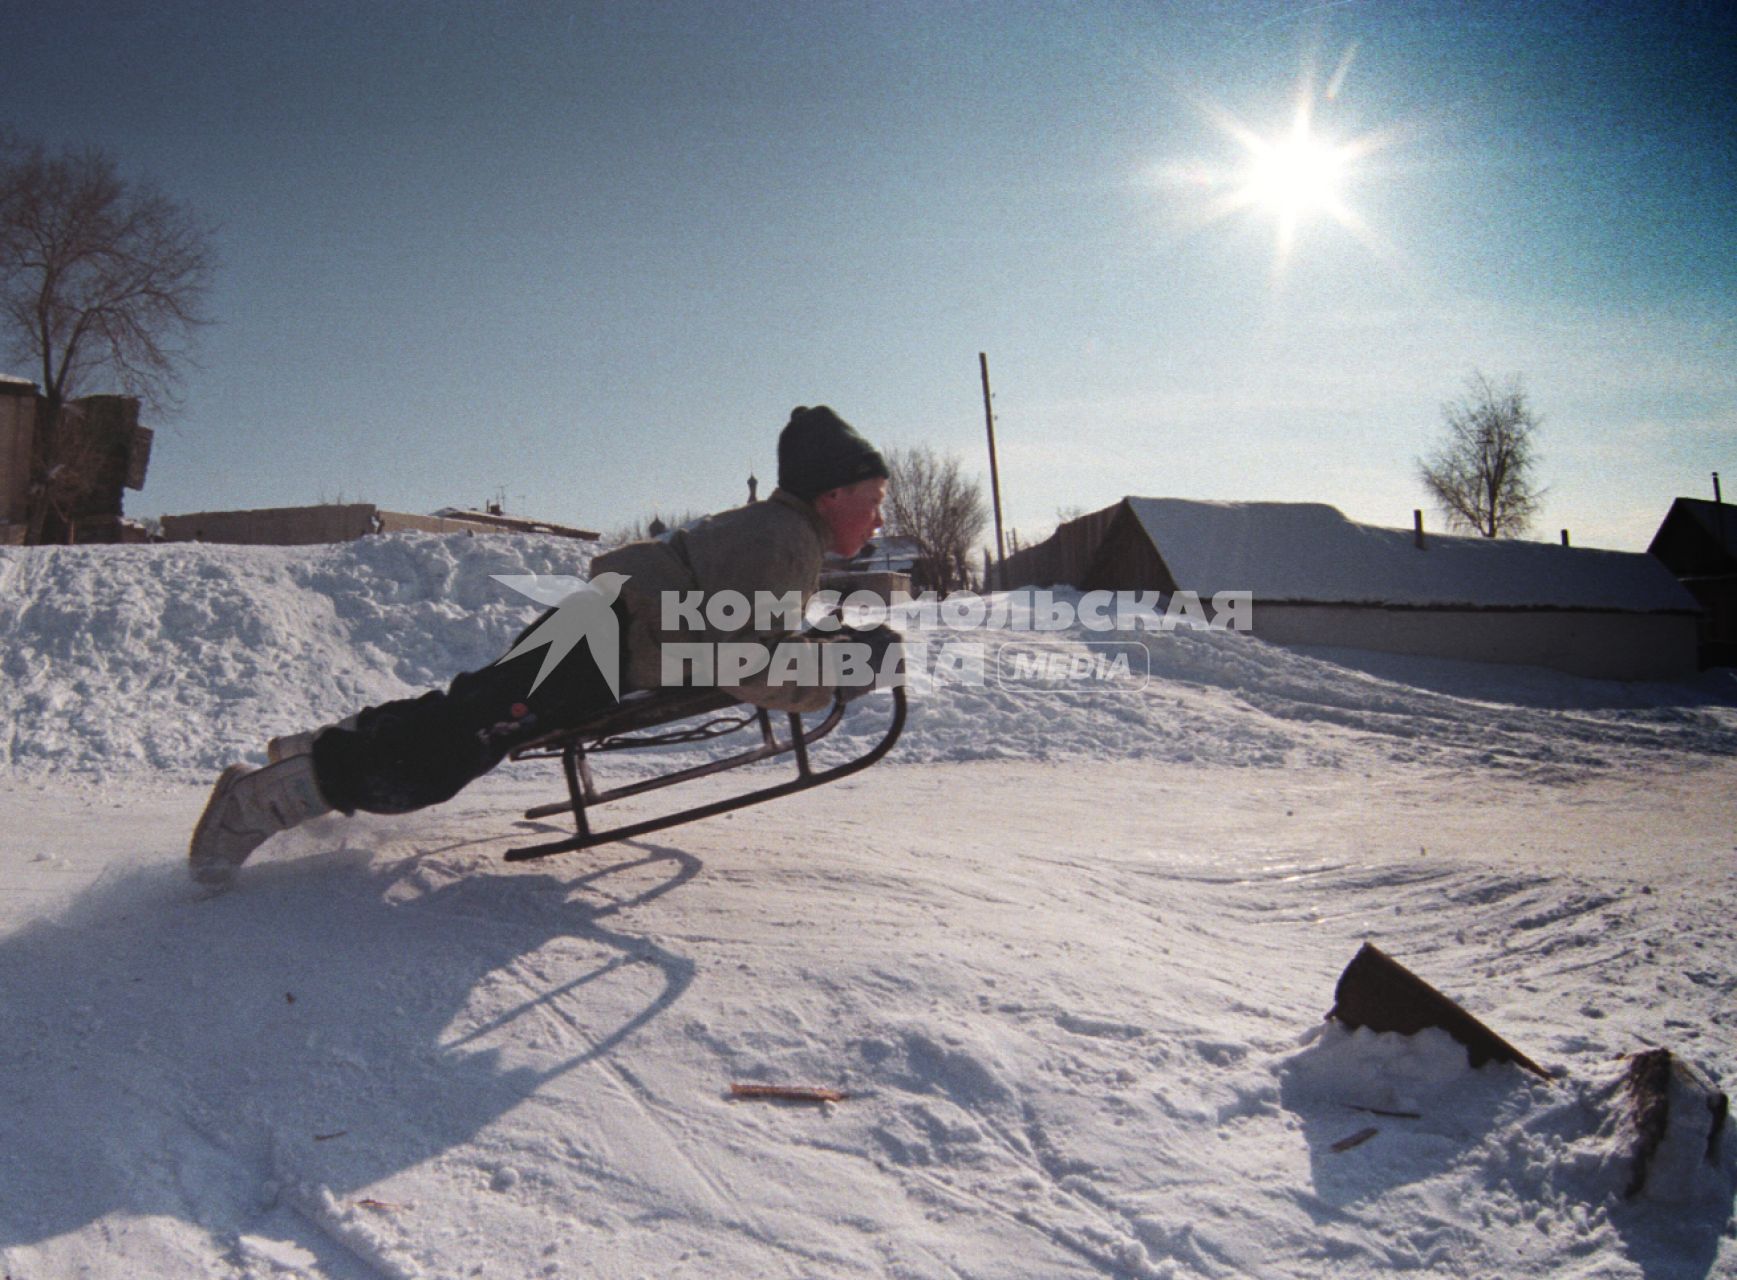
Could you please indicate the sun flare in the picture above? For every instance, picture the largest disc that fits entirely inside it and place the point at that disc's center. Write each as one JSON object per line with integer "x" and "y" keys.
{"x": 1296, "y": 175}
{"x": 1288, "y": 177}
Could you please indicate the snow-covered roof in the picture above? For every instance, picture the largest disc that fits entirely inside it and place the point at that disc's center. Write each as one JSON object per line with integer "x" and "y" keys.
{"x": 1308, "y": 551}
{"x": 516, "y": 524}
{"x": 888, "y": 551}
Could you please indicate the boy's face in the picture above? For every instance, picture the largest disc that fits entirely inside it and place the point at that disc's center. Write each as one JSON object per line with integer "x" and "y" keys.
{"x": 852, "y": 513}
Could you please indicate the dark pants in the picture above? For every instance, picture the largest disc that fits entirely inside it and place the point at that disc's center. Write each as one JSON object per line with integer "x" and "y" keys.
{"x": 419, "y": 751}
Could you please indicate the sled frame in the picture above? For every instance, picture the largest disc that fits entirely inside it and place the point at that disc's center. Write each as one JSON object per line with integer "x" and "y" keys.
{"x": 629, "y": 726}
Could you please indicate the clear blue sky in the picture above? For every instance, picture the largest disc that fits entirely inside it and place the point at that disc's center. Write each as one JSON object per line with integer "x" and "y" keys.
{"x": 590, "y": 255}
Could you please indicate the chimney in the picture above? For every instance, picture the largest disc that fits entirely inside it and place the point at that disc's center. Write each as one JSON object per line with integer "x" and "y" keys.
{"x": 1565, "y": 537}
{"x": 753, "y": 488}
{"x": 1417, "y": 527}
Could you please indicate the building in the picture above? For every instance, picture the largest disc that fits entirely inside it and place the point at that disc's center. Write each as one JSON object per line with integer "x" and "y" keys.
{"x": 494, "y": 520}
{"x": 882, "y": 569}
{"x": 886, "y": 553}
{"x": 1318, "y": 578}
{"x": 101, "y": 436}
{"x": 1697, "y": 542}
{"x": 342, "y": 522}
{"x": 17, "y": 433}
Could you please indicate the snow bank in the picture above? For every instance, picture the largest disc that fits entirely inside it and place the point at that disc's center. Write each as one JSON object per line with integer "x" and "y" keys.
{"x": 1075, "y": 999}
{"x": 183, "y": 657}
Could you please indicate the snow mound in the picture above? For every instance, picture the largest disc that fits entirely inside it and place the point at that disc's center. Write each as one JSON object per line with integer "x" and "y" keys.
{"x": 184, "y": 657}
{"x": 1385, "y": 1113}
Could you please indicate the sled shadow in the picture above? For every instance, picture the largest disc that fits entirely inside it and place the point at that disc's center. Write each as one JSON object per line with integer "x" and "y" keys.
{"x": 330, "y": 1022}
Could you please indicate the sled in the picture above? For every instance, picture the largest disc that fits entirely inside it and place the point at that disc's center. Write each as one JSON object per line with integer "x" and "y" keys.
{"x": 658, "y": 719}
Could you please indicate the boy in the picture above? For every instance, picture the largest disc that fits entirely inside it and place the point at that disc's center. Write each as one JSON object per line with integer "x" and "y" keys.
{"x": 415, "y": 752}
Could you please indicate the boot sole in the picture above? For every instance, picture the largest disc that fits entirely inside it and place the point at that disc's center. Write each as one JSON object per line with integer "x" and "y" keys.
{"x": 214, "y": 870}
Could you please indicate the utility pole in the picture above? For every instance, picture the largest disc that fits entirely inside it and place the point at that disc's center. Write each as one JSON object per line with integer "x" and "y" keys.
{"x": 994, "y": 472}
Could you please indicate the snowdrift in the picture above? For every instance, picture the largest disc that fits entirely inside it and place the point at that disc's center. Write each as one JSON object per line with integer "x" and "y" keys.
{"x": 184, "y": 657}
{"x": 1067, "y": 955}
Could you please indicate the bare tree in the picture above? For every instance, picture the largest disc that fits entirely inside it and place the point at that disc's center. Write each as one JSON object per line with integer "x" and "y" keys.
{"x": 1482, "y": 475}
{"x": 99, "y": 278}
{"x": 930, "y": 501}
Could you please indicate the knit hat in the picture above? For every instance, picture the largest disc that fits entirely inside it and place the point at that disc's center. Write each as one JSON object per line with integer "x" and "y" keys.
{"x": 819, "y": 451}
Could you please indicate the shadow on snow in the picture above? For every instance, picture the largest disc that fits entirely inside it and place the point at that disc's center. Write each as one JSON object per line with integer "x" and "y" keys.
{"x": 333, "y": 1021}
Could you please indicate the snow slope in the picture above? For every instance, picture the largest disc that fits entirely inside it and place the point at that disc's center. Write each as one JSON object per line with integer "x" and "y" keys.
{"x": 1068, "y": 955}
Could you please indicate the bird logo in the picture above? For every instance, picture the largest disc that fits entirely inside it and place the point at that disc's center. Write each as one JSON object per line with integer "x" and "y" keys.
{"x": 580, "y": 611}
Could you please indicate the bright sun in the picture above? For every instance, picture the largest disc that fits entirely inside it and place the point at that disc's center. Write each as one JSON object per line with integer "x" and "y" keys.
{"x": 1290, "y": 177}
{"x": 1296, "y": 176}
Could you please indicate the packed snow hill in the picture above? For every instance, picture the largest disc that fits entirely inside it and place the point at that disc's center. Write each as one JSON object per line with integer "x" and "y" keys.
{"x": 1060, "y": 965}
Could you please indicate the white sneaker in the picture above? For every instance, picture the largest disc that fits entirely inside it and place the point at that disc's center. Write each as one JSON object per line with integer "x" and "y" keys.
{"x": 247, "y": 807}
{"x": 282, "y": 748}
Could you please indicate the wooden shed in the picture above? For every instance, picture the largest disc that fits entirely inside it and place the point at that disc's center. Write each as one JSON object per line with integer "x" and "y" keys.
{"x": 1320, "y": 579}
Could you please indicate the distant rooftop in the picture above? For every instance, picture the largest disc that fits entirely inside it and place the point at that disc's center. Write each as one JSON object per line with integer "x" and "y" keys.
{"x": 1717, "y": 519}
{"x": 516, "y": 524}
{"x": 1307, "y": 551}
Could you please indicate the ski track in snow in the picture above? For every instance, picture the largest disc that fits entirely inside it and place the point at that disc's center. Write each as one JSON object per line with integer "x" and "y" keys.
{"x": 1068, "y": 956}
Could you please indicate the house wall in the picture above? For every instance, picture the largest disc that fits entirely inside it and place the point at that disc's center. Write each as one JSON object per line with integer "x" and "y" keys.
{"x": 884, "y": 586}
{"x": 1593, "y": 643}
{"x": 1125, "y": 559}
{"x": 17, "y": 430}
{"x": 273, "y": 526}
{"x": 1718, "y": 596}
{"x": 400, "y": 521}
{"x": 1694, "y": 542}
{"x": 1066, "y": 556}
{"x": 301, "y": 526}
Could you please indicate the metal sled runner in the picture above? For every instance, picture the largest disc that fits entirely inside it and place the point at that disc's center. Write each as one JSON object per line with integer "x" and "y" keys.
{"x": 632, "y": 724}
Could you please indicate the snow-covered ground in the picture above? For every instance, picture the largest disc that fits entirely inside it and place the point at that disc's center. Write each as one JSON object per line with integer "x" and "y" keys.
{"x": 1068, "y": 954}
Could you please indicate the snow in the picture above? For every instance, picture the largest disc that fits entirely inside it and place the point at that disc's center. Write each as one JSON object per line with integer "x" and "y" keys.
{"x": 1308, "y": 551}
{"x": 1067, "y": 953}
